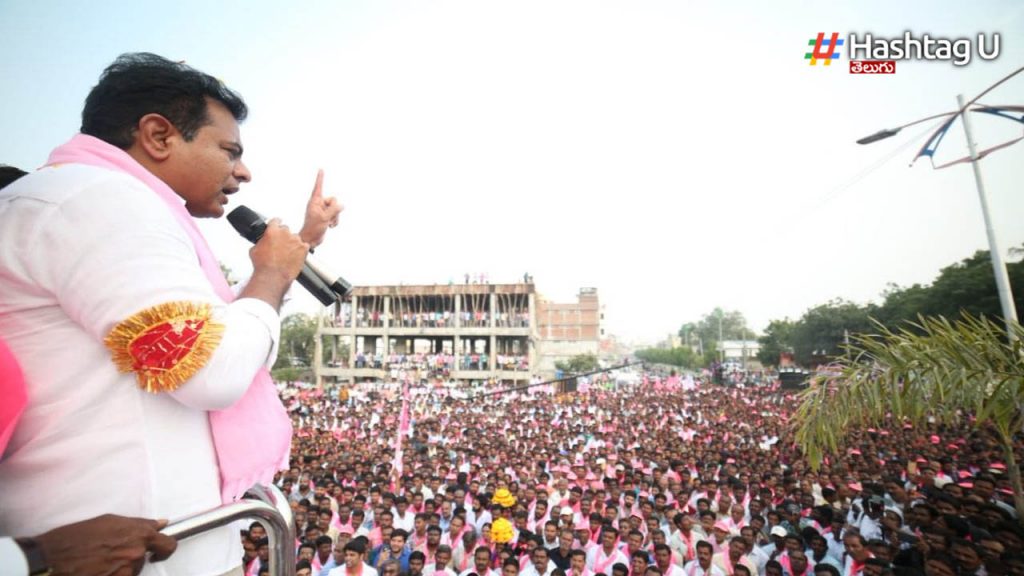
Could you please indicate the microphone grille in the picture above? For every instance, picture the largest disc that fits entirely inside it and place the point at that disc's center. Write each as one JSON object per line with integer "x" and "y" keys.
{"x": 247, "y": 222}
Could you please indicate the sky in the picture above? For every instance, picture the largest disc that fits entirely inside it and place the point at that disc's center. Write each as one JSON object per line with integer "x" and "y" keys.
{"x": 678, "y": 156}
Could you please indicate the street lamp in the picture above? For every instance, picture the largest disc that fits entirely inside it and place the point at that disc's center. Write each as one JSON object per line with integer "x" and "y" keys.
{"x": 998, "y": 265}
{"x": 889, "y": 132}
{"x": 880, "y": 135}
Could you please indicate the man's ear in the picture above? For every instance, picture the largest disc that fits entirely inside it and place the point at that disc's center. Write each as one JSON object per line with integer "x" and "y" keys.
{"x": 155, "y": 136}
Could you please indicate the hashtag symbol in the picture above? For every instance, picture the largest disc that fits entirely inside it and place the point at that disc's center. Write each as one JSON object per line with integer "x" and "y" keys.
{"x": 824, "y": 48}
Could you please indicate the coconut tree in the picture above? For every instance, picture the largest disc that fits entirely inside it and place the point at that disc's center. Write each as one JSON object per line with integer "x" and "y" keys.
{"x": 964, "y": 371}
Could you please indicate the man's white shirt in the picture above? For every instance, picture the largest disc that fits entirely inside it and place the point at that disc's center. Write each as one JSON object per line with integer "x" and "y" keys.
{"x": 469, "y": 571}
{"x": 693, "y": 568}
{"x": 113, "y": 249}
{"x": 596, "y": 556}
{"x": 407, "y": 522}
{"x": 366, "y": 571}
{"x": 479, "y": 520}
{"x": 674, "y": 570}
{"x": 431, "y": 569}
{"x": 759, "y": 558}
{"x": 531, "y": 570}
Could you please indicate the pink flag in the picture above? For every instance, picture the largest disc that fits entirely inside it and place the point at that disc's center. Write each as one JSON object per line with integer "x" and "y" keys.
{"x": 403, "y": 428}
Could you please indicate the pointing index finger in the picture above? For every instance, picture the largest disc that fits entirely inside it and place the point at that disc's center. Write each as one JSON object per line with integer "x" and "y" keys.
{"x": 318, "y": 188}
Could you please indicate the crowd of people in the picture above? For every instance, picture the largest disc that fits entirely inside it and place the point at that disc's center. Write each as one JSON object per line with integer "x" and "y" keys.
{"x": 440, "y": 319}
{"x": 441, "y": 365}
{"x": 644, "y": 480}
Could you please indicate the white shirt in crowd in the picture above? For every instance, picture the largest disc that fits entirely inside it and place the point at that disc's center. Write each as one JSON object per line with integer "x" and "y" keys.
{"x": 366, "y": 570}
{"x": 407, "y": 522}
{"x": 531, "y": 570}
{"x": 674, "y": 570}
{"x": 598, "y": 561}
{"x": 431, "y": 569}
{"x": 693, "y": 568}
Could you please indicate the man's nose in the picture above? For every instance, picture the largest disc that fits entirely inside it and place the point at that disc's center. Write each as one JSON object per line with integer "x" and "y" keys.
{"x": 242, "y": 173}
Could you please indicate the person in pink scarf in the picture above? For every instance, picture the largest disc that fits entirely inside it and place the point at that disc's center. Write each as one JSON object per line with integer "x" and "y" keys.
{"x": 601, "y": 559}
{"x": 732, "y": 556}
{"x": 481, "y": 565}
{"x": 663, "y": 560}
{"x": 703, "y": 565}
{"x": 158, "y": 402}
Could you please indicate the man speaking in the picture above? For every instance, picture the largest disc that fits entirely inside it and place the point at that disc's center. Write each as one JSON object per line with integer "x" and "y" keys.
{"x": 146, "y": 375}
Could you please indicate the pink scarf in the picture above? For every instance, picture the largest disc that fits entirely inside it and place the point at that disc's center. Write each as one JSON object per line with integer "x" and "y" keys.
{"x": 601, "y": 566}
{"x": 691, "y": 551}
{"x": 376, "y": 537}
{"x": 12, "y": 390}
{"x": 252, "y": 437}
{"x": 727, "y": 564}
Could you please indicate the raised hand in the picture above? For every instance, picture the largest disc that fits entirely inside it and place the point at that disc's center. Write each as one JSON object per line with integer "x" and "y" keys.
{"x": 321, "y": 214}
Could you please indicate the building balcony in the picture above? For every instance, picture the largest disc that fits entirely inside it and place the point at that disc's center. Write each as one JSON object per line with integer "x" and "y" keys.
{"x": 411, "y": 331}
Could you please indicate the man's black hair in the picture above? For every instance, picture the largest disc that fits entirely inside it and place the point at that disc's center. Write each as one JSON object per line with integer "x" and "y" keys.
{"x": 140, "y": 83}
{"x": 356, "y": 546}
{"x": 821, "y": 567}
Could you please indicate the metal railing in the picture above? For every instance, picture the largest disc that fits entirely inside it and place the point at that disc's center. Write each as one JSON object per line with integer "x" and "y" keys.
{"x": 270, "y": 508}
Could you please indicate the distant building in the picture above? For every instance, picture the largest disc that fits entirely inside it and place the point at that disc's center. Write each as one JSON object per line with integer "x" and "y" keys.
{"x": 486, "y": 332}
{"x": 567, "y": 330}
{"x": 738, "y": 350}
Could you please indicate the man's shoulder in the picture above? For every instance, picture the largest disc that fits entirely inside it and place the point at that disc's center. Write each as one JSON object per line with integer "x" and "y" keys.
{"x": 59, "y": 183}
{"x": 95, "y": 200}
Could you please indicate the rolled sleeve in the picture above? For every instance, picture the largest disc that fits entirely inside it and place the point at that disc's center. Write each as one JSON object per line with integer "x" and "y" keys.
{"x": 249, "y": 343}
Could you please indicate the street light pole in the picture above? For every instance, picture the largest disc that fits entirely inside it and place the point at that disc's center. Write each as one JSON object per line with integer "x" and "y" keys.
{"x": 722, "y": 351}
{"x": 998, "y": 265}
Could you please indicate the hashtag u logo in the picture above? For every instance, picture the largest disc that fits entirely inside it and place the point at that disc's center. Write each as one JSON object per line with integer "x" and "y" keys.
{"x": 824, "y": 48}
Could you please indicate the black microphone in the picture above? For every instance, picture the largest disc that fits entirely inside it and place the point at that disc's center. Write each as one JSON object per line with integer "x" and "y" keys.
{"x": 314, "y": 277}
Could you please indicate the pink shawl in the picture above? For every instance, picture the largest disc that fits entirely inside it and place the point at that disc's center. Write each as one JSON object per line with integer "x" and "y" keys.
{"x": 252, "y": 437}
{"x": 12, "y": 390}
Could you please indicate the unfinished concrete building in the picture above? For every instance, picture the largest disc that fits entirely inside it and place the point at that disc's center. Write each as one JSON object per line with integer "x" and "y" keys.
{"x": 483, "y": 332}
